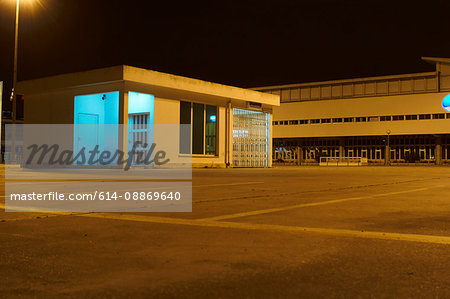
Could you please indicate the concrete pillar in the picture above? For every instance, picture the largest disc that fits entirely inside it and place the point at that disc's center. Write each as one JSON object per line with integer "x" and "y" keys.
{"x": 387, "y": 155}
{"x": 438, "y": 151}
{"x": 299, "y": 155}
{"x": 341, "y": 148}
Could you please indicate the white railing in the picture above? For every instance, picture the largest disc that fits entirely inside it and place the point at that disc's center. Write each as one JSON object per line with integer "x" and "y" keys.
{"x": 289, "y": 156}
{"x": 342, "y": 161}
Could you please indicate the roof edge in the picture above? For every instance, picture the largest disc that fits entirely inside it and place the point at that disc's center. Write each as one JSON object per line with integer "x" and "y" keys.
{"x": 435, "y": 60}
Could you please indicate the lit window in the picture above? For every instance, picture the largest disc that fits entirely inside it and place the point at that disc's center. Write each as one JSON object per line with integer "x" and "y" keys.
{"x": 210, "y": 130}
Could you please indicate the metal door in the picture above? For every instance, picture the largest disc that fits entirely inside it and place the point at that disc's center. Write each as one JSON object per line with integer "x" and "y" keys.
{"x": 251, "y": 137}
{"x": 139, "y": 136}
{"x": 87, "y": 135}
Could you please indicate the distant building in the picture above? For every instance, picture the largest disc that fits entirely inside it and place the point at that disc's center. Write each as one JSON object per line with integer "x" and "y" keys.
{"x": 230, "y": 126}
{"x": 386, "y": 120}
{"x": 7, "y": 119}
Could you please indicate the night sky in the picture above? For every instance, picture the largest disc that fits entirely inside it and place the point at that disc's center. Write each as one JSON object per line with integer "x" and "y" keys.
{"x": 243, "y": 43}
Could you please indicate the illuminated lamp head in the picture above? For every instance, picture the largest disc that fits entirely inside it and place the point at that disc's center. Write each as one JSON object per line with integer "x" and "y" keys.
{"x": 446, "y": 103}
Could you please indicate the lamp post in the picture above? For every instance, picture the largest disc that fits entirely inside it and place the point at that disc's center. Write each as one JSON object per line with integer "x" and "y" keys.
{"x": 16, "y": 41}
{"x": 13, "y": 97}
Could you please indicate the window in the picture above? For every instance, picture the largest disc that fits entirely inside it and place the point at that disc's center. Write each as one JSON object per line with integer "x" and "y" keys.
{"x": 325, "y": 120}
{"x": 373, "y": 118}
{"x": 424, "y": 116}
{"x": 411, "y": 117}
{"x": 285, "y": 122}
{"x": 385, "y": 118}
{"x": 305, "y": 121}
{"x": 204, "y": 130}
{"x": 198, "y": 116}
{"x": 210, "y": 130}
{"x": 439, "y": 116}
{"x": 337, "y": 120}
{"x": 274, "y": 123}
{"x": 448, "y": 115}
{"x": 293, "y": 122}
{"x": 315, "y": 121}
{"x": 185, "y": 131}
{"x": 348, "y": 119}
{"x": 398, "y": 117}
{"x": 361, "y": 119}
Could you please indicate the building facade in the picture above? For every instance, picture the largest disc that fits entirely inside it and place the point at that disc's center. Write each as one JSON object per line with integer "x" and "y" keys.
{"x": 382, "y": 120}
{"x": 227, "y": 126}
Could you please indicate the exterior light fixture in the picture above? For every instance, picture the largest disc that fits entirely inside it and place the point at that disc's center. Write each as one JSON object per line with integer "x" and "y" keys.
{"x": 446, "y": 103}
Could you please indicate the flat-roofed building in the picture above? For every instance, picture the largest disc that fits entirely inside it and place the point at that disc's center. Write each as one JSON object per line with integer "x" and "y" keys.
{"x": 229, "y": 126}
{"x": 386, "y": 119}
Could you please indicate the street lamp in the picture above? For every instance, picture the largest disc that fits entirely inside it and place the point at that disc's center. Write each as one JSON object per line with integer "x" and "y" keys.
{"x": 16, "y": 40}
{"x": 13, "y": 97}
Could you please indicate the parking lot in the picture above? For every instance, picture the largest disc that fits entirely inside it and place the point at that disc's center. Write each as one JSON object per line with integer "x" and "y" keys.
{"x": 329, "y": 232}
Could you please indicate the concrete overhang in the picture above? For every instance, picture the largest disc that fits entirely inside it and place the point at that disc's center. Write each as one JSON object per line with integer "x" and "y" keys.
{"x": 160, "y": 84}
{"x": 435, "y": 60}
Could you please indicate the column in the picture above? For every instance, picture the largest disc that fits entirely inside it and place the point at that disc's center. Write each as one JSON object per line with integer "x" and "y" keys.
{"x": 299, "y": 155}
{"x": 387, "y": 155}
{"x": 438, "y": 150}
{"x": 341, "y": 148}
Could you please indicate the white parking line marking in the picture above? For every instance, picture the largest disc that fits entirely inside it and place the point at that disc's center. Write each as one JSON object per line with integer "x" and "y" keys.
{"x": 312, "y": 204}
{"x": 276, "y": 228}
{"x": 233, "y": 184}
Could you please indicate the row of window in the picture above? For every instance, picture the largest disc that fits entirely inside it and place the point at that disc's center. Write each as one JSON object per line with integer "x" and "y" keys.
{"x": 200, "y": 137}
{"x": 362, "y": 119}
{"x": 364, "y": 141}
{"x": 370, "y": 87}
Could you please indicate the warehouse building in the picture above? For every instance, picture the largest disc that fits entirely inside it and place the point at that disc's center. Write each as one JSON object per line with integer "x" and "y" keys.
{"x": 228, "y": 126}
{"x": 377, "y": 120}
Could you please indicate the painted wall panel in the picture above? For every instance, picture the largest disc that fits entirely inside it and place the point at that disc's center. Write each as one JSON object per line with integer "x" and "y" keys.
{"x": 372, "y": 106}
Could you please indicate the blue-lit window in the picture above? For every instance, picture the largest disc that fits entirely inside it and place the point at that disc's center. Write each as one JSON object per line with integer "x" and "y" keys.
{"x": 141, "y": 114}
{"x": 210, "y": 130}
